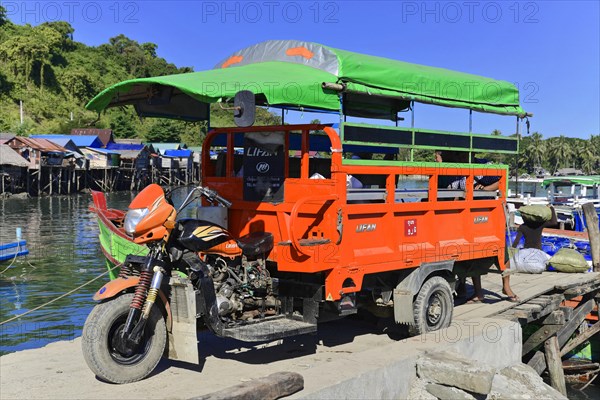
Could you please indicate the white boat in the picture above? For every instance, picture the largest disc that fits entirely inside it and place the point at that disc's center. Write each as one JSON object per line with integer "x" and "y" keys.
{"x": 566, "y": 193}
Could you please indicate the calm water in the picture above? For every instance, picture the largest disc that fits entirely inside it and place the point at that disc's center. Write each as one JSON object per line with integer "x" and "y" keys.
{"x": 62, "y": 236}
{"x": 64, "y": 252}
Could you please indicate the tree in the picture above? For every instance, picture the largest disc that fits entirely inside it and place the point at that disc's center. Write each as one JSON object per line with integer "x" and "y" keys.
{"x": 536, "y": 149}
{"x": 65, "y": 32}
{"x": 588, "y": 160}
{"x": 589, "y": 156}
{"x": 163, "y": 131}
{"x": 561, "y": 152}
{"x": 122, "y": 125}
{"x": 3, "y": 17}
{"x": 77, "y": 84}
{"x": 31, "y": 50}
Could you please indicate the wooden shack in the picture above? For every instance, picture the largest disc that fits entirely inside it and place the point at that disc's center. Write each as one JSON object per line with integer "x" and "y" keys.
{"x": 73, "y": 156}
{"x": 39, "y": 152}
{"x": 132, "y": 156}
{"x": 13, "y": 171}
{"x": 48, "y": 170}
{"x": 135, "y": 167}
{"x": 101, "y": 158}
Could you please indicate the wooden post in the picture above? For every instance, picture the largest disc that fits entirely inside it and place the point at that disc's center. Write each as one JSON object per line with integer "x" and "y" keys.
{"x": 554, "y": 363}
{"x": 583, "y": 336}
{"x": 538, "y": 362}
{"x": 271, "y": 387}
{"x": 591, "y": 219}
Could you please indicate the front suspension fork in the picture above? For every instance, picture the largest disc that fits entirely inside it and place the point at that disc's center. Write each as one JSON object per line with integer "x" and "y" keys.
{"x": 145, "y": 296}
{"x": 138, "y": 330}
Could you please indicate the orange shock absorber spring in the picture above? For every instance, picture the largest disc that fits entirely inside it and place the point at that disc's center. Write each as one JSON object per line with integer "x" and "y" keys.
{"x": 141, "y": 289}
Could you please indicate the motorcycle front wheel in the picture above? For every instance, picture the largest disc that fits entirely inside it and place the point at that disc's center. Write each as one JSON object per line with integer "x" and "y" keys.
{"x": 102, "y": 330}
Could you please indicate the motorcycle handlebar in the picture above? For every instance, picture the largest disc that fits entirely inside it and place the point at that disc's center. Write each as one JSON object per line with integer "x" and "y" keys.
{"x": 214, "y": 196}
{"x": 223, "y": 201}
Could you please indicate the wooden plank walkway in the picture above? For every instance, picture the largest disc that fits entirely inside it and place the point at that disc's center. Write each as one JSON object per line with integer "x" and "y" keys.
{"x": 575, "y": 235}
{"x": 527, "y": 287}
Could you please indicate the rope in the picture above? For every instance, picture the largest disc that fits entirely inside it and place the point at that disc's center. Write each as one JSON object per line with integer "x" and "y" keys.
{"x": 59, "y": 297}
{"x": 13, "y": 260}
{"x": 591, "y": 380}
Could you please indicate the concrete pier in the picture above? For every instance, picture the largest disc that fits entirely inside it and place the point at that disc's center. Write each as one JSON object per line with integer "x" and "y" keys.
{"x": 347, "y": 359}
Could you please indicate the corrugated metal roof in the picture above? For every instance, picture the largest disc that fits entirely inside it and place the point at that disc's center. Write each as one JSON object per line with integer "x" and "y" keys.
{"x": 105, "y": 135}
{"x": 128, "y": 141}
{"x": 162, "y": 147}
{"x": 78, "y": 140}
{"x": 61, "y": 140}
{"x": 103, "y": 151}
{"x": 125, "y": 146}
{"x": 129, "y": 153}
{"x": 6, "y": 136}
{"x": 10, "y": 157}
{"x": 37, "y": 144}
{"x": 178, "y": 153}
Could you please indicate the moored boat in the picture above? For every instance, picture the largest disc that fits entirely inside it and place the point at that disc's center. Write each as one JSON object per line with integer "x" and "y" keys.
{"x": 114, "y": 242}
{"x": 9, "y": 251}
{"x": 567, "y": 194}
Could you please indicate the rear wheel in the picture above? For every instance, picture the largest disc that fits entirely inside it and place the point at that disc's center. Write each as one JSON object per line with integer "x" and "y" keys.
{"x": 101, "y": 337}
{"x": 433, "y": 306}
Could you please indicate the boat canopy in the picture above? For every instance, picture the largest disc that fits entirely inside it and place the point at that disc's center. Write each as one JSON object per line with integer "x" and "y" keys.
{"x": 309, "y": 76}
{"x": 591, "y": 180}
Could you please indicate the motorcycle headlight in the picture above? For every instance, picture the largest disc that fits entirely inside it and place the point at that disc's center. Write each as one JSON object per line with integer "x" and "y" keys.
{"x": 132, "y": 218}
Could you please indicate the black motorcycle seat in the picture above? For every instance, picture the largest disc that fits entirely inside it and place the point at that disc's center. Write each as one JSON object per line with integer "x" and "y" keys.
{"x": 256, "y": 243}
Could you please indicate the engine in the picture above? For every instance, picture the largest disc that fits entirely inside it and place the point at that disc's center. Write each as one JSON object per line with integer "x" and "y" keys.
{"x": 244, "y": 289}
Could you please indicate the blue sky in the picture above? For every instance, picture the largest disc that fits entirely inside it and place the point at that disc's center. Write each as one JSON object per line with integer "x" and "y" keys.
{"x": 549, "y": 49}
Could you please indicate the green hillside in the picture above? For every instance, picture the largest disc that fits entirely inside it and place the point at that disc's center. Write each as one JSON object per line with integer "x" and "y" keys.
{"x": 56, "y": 76}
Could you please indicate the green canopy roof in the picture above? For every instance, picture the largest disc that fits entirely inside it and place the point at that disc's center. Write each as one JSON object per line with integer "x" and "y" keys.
{"x": 589, "y": 180}
{"x": 287, "y": 73}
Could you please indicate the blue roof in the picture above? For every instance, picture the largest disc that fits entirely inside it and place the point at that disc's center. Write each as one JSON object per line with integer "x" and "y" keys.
{"x": 178, "y": 153}
{"x": 104, "y": 151}
{"x": 124, "y": 146}
{"x": 79, "y": 140}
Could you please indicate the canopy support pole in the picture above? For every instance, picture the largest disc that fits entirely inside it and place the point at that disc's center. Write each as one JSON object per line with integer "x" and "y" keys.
{"x": 517, "y": 159}
{"x": 470, "y": 121}
{"x": 412, "y": 127}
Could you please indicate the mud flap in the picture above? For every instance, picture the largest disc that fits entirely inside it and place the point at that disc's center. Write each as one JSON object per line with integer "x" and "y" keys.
{"x": 183, "y": 339}
{"x": 403, "y": 307}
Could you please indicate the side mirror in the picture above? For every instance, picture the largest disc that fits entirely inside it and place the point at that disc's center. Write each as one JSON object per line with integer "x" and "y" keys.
{"x": 245, "y": 108}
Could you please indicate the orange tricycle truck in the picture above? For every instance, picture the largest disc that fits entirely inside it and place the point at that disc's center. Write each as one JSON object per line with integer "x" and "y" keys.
{"x": 303, "y": 223}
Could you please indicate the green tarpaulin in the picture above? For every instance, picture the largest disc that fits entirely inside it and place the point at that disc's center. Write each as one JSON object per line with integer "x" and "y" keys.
{"x": 288, "y": 73}
{"x": 590, "y": 180}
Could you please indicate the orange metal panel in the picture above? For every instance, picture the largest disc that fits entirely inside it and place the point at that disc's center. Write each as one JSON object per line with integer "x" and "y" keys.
{"x": 377, "y": 237}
